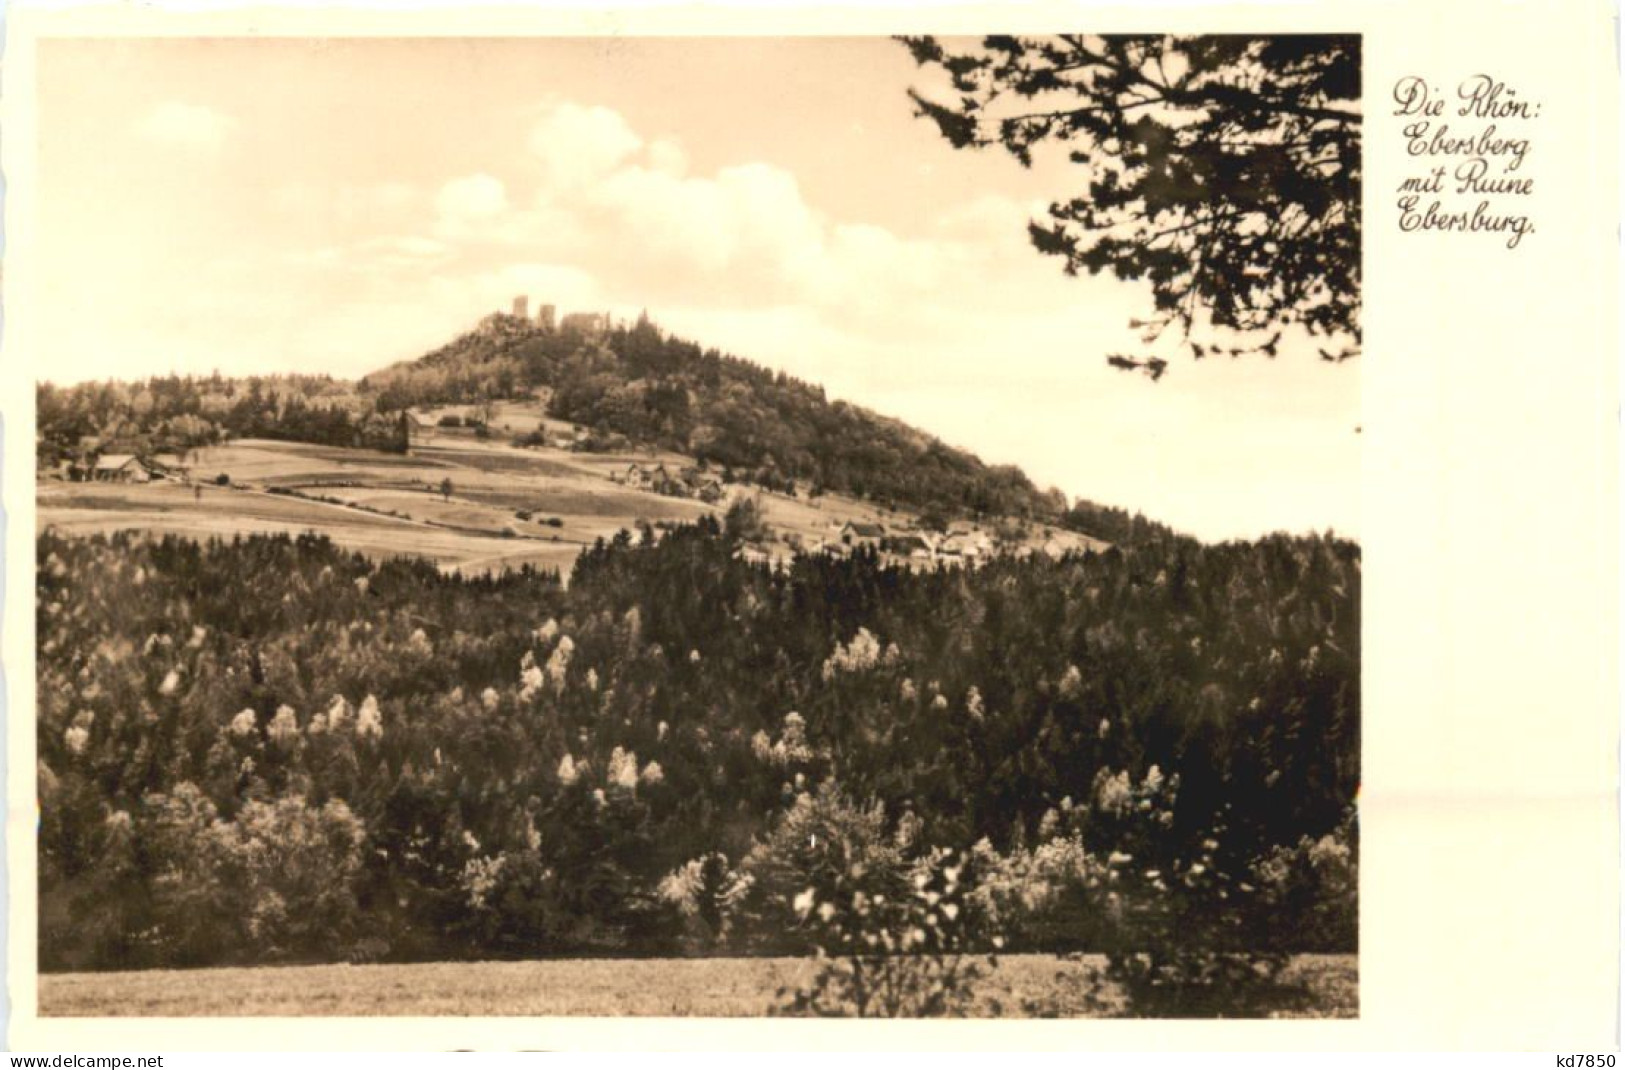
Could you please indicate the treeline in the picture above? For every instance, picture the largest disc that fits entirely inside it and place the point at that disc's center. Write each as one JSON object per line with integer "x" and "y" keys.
{"x": 181, "y": 413}
{"x": 1113, "y": 524}
{"x": 273, "y": 750}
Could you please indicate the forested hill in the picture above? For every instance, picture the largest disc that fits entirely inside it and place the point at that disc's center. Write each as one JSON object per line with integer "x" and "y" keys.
{"x": 657, "y": 389}
{"x": 635, "y": 384}
{"x": 271, "y": 750}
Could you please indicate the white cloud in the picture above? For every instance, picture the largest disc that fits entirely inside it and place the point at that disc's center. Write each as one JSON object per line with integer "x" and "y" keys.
{"x": 628, "y": 210}
{"x": 472, "y": 197}
{"x": 577, "y": 144}
{"x": 668, "y": 157}
{"x": 744, "y": 239}
{"x": 189, "y": 126}
{"x": 747, "y": 228}
{"x": 867, "y": 269}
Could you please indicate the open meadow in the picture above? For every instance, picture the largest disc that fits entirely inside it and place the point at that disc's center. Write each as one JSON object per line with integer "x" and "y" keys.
{"x": 220, "y": 512}
{"x": 379, "y": 504}
{"x": 470, "y": 505}
{"x": 1318, "y": 986}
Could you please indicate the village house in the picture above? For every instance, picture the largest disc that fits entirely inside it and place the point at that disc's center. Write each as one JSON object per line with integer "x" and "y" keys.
{"x": 966, "y": 544}
{"x": 415, "y": 428}
{"x": 171, "y": 464}
{"x": 120, "y": 468}
{"x": 663, "y": 481}
{"x": 912, "y": 546}
{"x": 703, "y": 483}
{"x": 855, "y": 533}
{"x": 658, "y": 479}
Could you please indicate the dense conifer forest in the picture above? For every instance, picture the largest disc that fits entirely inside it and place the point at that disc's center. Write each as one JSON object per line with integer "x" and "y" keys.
{"x": 272, "y": 750}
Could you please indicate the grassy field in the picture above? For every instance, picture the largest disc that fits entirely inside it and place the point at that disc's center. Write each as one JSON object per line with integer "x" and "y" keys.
{"x": 385, "y": 505}
{"x": 1023, "y": 985}
{"x": 475, "y": 530}
{"x": 169, "y": 509}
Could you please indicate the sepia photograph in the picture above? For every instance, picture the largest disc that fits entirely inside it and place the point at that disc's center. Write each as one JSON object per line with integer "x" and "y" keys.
{"x": 698, "y": 527}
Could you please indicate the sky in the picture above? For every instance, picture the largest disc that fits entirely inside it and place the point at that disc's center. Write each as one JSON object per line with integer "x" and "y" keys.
{"x": 335, "y": 205}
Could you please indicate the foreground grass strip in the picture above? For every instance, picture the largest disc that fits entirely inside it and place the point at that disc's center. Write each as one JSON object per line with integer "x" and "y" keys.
{"x": 717, "y": 988}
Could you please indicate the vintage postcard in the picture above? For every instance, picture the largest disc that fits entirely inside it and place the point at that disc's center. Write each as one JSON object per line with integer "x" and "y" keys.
{"x": 1065, "y": 525}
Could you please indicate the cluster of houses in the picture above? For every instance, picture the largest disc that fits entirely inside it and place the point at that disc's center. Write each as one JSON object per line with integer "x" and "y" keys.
{"x": 960, "y": 543}
{"x": 560, "y": 438}
{"x": 428, "y": 423}
{"x": 689, "y": 481}
{"x": 124, "y": 468}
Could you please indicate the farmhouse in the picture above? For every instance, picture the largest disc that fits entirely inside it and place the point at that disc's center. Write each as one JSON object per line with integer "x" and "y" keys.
{"x": 710, "y": 490}
{"x": 120, "y": 468}
{"x": 661, "y": 481}
{"x": 702, "y": 483}
{"x": 861, "y": 533}
{"x": 170, "y": 464}
{"x": 413, "y": 428}
{"x": 907, "y": 546}
{"x": 657, "y": 479}
{"x": 965, "y": 544}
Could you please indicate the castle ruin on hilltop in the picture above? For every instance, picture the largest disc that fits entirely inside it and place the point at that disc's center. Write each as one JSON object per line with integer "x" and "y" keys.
{"x": 586, "y": 323}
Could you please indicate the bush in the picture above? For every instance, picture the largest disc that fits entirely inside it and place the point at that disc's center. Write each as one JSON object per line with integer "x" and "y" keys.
{"x": 899, "y": 955}
{"x": 1044, "y": 898}
{"x": 222, "y": 480}
{"x": 1186, "y": 932}
{"x": 744, "y": 522}
{"x": 824, "y": 840}
{"x": 706, "y": 893}
{"x": 275, "y": 883}
{"x": 1313, "y": 886}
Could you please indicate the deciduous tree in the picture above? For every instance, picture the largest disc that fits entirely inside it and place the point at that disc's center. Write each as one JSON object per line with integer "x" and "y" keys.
{"x": 1222, "y": 170}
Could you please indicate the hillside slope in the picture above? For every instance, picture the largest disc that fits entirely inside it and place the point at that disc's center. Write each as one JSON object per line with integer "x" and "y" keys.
{"x": 656, "y": 389}
{"x": 608, "y": 393}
